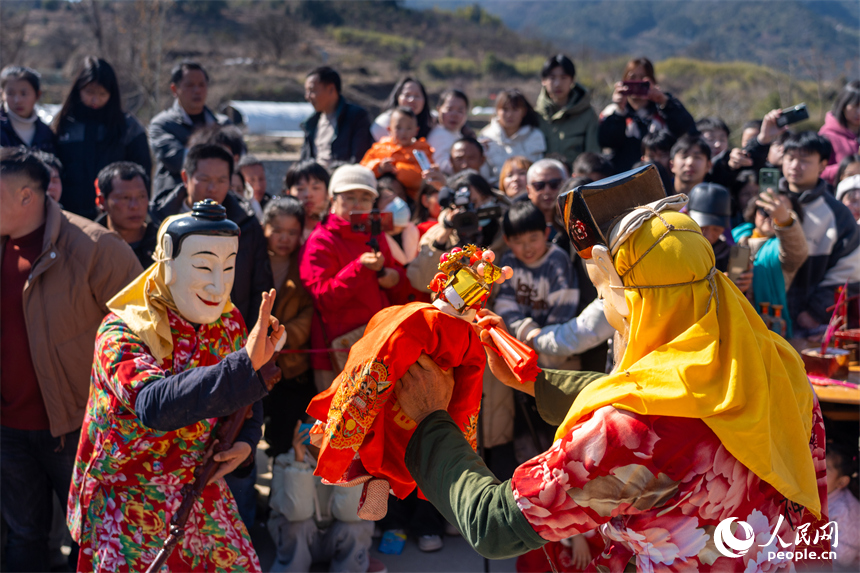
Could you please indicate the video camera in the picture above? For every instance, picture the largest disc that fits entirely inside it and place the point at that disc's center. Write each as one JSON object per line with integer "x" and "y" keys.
{"x": 465, "y": 217}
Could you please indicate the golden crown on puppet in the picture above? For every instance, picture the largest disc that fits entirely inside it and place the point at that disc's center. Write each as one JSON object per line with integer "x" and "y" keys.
{"x": 467, "y": 276}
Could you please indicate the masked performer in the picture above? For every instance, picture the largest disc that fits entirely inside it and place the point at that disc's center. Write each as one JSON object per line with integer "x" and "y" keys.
{"x": 170, "y": 359}
{"x": 707, "y": 415}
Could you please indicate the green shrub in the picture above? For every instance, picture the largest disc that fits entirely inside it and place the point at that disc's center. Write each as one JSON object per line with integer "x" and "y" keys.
{"x": 443, "y": 68}
{"x": 376, "y": 41}
{"x": 495, "y": 67}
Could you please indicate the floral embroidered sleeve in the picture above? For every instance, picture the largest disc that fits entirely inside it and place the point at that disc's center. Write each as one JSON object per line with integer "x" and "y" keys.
{"x": 168, "y": 402}
{"x": 599, "y": 470}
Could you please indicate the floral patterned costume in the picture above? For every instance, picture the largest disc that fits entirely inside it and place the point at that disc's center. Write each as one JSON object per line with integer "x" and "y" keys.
{"x": 707, "y": 417}
{"x": 128, "y": 477}
{"x": 657, "y": 487}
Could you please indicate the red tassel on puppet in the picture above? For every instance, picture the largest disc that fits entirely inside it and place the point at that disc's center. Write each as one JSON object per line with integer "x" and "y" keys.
{"x": 520, "y": 358}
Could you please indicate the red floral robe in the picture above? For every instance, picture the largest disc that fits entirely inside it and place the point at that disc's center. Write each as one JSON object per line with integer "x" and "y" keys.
{"x": 657, "y": 487}
{"x": 127, "y": 478}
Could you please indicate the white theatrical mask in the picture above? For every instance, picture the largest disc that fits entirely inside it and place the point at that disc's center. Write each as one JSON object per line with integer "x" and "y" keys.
{"x": 602, "y": 273}
{"x": 201, "y": 276}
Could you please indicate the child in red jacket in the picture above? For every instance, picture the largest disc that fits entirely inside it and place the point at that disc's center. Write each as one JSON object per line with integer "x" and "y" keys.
{"x": 394, "y": 153}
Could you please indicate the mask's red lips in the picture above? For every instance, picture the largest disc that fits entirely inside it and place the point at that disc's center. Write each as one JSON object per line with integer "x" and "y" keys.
{"x": 206, "y": 302}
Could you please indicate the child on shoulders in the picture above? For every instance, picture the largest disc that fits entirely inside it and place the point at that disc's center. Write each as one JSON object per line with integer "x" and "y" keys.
{"x": 394, "y": 154}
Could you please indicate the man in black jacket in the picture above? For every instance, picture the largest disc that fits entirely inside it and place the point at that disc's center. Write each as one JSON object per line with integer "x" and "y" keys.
{"x": 170, "y": 130}
{"x": 339, "y": 130}
{"x": 206, "y": 175}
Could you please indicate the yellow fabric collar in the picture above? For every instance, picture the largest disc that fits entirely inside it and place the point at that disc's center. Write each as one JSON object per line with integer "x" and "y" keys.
{"x": 691, "y": 358}
{"x": 143, "y": 303}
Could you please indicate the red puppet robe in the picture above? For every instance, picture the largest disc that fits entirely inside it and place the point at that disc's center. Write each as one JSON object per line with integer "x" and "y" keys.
{"x": 356, "y": 439}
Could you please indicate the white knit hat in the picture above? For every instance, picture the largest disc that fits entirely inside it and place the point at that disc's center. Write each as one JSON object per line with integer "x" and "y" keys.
{"x": 352, "y": 177}
{"x": 848, "y": 184}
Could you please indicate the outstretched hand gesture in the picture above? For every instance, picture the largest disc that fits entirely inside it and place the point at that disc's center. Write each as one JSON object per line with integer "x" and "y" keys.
{"x": 261, "y": 346}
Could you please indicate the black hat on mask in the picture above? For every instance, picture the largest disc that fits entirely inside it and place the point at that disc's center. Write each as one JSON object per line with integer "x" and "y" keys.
{"x": 589, "y": 210}
{"x": 207, "y": 218}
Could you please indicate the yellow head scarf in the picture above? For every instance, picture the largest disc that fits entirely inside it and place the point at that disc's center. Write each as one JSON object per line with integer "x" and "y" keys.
{"x": 143, "y": 303}
{"x": 694, "y": 354}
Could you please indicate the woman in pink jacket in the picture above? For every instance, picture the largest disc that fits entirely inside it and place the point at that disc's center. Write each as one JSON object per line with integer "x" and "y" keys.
{"x": 346, "y": 279}
{"x": 842, "y": 128}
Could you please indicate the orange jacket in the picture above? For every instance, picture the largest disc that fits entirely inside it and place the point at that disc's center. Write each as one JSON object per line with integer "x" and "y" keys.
{"x": 408, "y": 171}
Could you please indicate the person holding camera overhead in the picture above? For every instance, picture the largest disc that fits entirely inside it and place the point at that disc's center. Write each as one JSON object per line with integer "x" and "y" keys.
{"x": 471, "y": 211}
{"x": 638, "y": 107}
{"x": 348, "y": 281}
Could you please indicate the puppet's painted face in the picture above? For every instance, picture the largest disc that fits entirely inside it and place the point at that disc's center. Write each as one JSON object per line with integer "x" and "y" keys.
{"x": 201, "y": 276}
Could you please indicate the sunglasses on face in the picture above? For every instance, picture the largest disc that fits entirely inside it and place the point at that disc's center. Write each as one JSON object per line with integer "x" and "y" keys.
{"x": 553, "y": 184}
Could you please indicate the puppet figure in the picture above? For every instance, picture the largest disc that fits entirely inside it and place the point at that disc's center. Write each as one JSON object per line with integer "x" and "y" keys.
{"x": 361, "y": 430}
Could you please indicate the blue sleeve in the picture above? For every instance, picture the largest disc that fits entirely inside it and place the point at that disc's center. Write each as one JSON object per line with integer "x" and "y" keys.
{"x": 174, "y": 402}
{"x": 252, "y": 430}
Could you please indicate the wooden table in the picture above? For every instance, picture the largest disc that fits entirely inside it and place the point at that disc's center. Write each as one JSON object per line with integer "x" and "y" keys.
{"x": 840, "y": 402}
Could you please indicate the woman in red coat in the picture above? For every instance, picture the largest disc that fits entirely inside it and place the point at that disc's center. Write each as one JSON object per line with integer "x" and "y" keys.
{"x": 346, "y": 279}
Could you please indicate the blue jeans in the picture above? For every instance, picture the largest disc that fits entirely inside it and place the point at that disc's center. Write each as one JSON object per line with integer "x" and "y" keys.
{"x": 245, "y": 493}
{"x": 33, "y": 465}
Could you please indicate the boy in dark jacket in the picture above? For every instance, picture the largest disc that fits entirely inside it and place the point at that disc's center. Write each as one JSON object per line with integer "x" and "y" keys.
{"x": 831, "y": 233}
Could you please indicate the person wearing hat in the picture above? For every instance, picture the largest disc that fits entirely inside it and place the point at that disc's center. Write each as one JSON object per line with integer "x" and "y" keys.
{"x": 848, "y": 191}
{"x": 171, "y": 357}
{"x": 706, "y": 421}
{"x": 348, "y": 280}
{"x": 710, "y": 207}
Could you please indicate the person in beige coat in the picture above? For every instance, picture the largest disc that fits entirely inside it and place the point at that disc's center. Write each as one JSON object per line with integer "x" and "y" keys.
{"x": 58, "y": 272}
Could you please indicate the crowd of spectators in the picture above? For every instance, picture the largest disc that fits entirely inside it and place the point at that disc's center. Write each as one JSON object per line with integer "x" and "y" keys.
{"x": 83, "y": 198}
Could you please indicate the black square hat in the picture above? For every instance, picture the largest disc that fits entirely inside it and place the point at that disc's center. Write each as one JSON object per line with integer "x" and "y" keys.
{"x": 588, "y": 210}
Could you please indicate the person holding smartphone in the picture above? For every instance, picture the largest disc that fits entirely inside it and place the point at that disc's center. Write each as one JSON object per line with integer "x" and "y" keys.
{"x": 639, "y": 107}
{"x": 773, "y": 231}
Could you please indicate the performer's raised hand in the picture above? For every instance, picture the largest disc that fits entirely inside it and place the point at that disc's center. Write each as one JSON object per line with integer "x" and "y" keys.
{"x": 262, "y": 346}
{"x": 497, "y": 364}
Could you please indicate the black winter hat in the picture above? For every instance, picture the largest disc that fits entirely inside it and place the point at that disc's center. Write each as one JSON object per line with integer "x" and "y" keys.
{"x": 710, "y": 204}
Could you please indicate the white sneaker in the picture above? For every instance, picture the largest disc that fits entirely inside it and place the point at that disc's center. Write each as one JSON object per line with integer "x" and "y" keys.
{"x": 428, "y": 543}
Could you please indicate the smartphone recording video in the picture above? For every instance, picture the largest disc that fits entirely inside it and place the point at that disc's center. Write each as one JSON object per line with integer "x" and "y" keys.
{"x": 637, "y": 88}
{"x": 792, "y": 115}
{"x": 373, "y": 222}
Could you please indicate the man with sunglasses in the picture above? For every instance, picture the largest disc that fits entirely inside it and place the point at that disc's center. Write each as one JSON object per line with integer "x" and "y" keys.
{"x": 544, "y": 180}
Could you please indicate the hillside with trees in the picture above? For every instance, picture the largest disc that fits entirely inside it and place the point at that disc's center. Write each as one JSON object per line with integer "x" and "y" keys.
{"x": 262, "y": 50}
